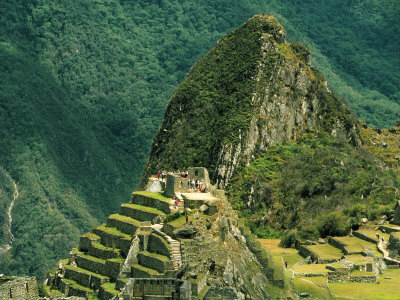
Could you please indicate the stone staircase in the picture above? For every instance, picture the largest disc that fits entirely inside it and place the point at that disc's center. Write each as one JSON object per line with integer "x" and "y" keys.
{"x": 175, "y": 246}
{"x": 94, "y": 267}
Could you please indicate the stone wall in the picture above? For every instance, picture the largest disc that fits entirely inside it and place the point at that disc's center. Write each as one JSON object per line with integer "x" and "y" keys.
{"x": 338, "y": 244}
{"x": 158, "y": 245}
{"x": 198, "y": 284}
{"x": 175, "y": 184}
{"x": 18, "y": 288}
{"x": 200, "y": 174}
{"x": 145, "y": 288}
{"x": 220, "y": 293}
{"x": 339, "y": 275}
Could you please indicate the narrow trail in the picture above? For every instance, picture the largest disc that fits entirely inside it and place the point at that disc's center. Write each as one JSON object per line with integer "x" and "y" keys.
{"x": 7, "y": 233}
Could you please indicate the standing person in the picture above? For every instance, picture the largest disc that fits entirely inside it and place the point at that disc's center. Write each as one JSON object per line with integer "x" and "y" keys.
{"x": 188, "y": 183}
{"x": 194, "y": 184}
{"x": 176, "y": 203}
{"x": 187, "y": 217}
{"x": 163, "y": 175}
{"x": 158, "y": 175}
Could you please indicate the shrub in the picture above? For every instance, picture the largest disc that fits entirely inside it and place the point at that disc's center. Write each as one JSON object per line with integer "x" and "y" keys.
{"x": 289, "y": 240}
{"x": 172, "y": 217}
{"x": 333, "y": 224}
{"x": 308, "y": 232}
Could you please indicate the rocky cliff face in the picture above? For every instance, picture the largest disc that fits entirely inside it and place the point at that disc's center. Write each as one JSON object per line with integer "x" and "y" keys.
{"x": 252, "y": 90}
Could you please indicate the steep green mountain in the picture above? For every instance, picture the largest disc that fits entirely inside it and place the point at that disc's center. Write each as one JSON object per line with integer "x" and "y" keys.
{"x": 262, "y": 119}
{"x": 84, "y": 85}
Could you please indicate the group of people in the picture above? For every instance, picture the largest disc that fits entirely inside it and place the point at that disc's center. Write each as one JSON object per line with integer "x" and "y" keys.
{"x": 162, "y": 175}
{"x": 197, "y": 185}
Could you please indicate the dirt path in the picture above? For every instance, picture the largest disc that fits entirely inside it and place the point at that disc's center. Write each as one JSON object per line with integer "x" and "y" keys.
{"x": 7, "y": 233}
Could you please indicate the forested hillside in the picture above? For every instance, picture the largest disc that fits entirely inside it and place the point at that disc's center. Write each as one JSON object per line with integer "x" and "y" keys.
{"x": 84, "y": 85}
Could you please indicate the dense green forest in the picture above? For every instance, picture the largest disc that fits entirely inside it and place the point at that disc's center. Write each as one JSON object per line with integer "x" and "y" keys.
{"x": 84, "y": 85}
{"x": 315, "y": 175}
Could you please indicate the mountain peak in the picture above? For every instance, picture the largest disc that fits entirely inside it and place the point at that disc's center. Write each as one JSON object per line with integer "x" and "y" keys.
{"x": 252, "y": 90}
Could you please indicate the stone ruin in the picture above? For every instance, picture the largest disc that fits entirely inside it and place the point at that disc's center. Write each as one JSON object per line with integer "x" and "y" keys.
{"x": 18, "y": 288}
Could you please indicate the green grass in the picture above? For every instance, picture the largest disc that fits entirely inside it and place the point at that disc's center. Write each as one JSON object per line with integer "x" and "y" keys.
{"x": 144, "y": 208}
{"x": 86, "y": 272}
{"x": 371, "y": 233}
{"x": 159, "y": 196}
{"x": 354, "y": 244}
{"x": 113, "y": 231}
{"x": 325, "y": 251}
{"x": 155, "y": 255}
{"x": 290, "y": 255}
{"x": 178, "y": 222}
{"x": 91, "y": 236}
{"x": 92, "y": 258}
{"x": 105, "y": 248}
{"x": 52, "y": 292}
{"x": 315, "y": 286}
{"x": 125, "y": 219}
{"x": 387, "y": 289}
{"x": 361, "y": 273}
{"x": 358, "y": 259}
{"x": 144, "y": 269}
{"x": 310, "y": 269}
{"x": 76, "y": 285}
{"x": 110, "y": 287}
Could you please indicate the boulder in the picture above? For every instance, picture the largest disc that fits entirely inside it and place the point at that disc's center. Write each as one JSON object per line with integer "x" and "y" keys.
{"x": 364, "y": 220}
{"x": 204, "y": 208}
{"x": 186, "y": 232}
{"x": 154, "y": 187}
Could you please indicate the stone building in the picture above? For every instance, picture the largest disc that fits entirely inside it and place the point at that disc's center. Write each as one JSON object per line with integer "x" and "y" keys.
{"x": 157, "y": 288}
{"x": 175, "y": 183}
{"x": 18, "y": 288}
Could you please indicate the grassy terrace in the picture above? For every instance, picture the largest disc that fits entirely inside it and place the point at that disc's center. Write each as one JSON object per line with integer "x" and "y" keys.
{"x": 91, "y": 236}
{"x": 155, "y": 255}
{"x": 288, "y": 254}
{"x": 78, "y": 286}
{"x": 387, "y": 289}
{"x": 325, "y": 251}
{"x": 86, "y": 272}
{"x": 311, "y": 269}
{"x": 358, "y": 259}
{"x": 315, "y": 286}
{"x": 371, "y": 233}
{"x": 158, "y": 196}
{"x": 144, "y": 208}
{"x": 354, "y": 244}
{"x": 125, "y": 219}
{"x": 146, "y": 270}
{"x": 105, "y": 248}
{"x": 110, "y": 287}
{"x": 112, "y": 231}
{"x": 92, "y": 258}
